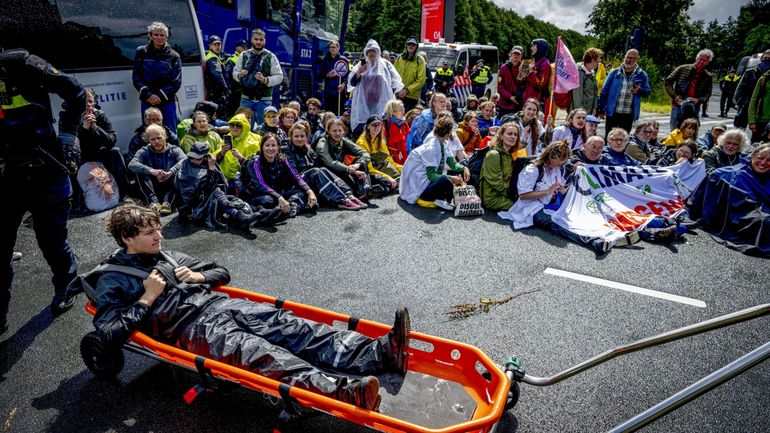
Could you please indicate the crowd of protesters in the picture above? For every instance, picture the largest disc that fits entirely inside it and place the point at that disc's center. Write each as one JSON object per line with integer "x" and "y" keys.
{"x": 379, "y": 129}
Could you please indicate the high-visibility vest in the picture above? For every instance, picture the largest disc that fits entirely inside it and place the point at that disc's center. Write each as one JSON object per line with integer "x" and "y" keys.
{"x": 481, "y": 78}
{"x": 445, "y": 72}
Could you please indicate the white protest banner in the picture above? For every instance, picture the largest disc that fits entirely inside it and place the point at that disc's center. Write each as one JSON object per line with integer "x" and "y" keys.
{"x": 609, "y": 202}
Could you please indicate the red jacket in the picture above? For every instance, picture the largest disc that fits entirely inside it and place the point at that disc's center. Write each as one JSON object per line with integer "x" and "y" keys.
{"x": 396, "y": 138}
{"x": 508, "y": 86}
{"x": 538, "y": 81}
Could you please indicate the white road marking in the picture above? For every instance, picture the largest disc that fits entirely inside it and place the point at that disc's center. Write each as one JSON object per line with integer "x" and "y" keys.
{"x": 626, "y": 287}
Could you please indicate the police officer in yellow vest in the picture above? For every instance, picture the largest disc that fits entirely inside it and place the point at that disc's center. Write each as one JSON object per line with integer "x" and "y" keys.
{"x": 480, "y": 76}
{"x": 444, "y": 79}
{"x": 216, "y": 86}
{"x": 728, "y": 85}
{"x": 35, "y": 165}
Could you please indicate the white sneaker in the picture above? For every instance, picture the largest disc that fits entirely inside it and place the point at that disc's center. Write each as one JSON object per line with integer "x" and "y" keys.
{"x": 443, "y": 204}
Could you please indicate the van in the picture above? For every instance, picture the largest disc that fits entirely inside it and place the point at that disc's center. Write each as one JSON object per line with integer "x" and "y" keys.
{"x": 462, "y": 57}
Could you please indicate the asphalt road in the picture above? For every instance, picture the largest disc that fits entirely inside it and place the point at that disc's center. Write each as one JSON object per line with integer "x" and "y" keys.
{"x": 369, "y": 262}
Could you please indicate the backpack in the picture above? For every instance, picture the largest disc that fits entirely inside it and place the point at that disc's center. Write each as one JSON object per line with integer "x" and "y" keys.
{"x": 519, "y": 164}
{"x": 474, "y": 166}
{"x": 254, "y": 63}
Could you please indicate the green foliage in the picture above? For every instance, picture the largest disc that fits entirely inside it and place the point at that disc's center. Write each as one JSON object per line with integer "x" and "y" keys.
{"x": 390, "y": 22}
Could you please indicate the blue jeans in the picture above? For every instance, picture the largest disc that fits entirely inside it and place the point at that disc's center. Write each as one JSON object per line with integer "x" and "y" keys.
{"x": 674, "y": 116}
{"x": 258, "y": 107}
{"x": 543, "y": 220}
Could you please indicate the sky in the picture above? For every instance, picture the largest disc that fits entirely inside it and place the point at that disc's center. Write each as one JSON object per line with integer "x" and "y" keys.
{"x": 573, "y": 14}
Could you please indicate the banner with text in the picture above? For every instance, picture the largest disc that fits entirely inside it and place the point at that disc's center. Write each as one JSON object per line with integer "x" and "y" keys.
{"x": 610, "y": 202}
{"x": 432, "y": 20}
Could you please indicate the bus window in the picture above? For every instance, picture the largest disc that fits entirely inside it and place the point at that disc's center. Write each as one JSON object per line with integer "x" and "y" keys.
{"x": 437, "y": 56}
{"x": 474, "y": 54}
{"x": 279, "y": 11}
{"x": 462, "y": 62}
{"x": 97, "y": 35}
{"x": 323, "y": 16}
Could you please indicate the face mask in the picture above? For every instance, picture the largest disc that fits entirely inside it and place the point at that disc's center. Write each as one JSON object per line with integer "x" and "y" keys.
{"x": 764, "y": 65}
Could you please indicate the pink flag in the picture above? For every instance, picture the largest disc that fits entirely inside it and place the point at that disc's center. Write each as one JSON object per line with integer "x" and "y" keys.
{"x": 566, "y": 71}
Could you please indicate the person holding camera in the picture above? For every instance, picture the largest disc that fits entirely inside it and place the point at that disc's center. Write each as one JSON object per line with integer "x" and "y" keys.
{"x": 622, "y": 92}
{"x": 258, "y": 71}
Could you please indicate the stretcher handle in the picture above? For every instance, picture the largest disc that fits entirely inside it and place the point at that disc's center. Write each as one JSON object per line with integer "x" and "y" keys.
{"x": 713, "y": 380}
{"x": 656, "y": 340}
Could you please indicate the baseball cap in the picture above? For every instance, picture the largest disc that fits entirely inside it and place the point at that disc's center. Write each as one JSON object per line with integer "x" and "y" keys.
{"x": 198, "y": 150}
{"x": 517, "y": 48}
{"x": 480, "y": 61}
{"x": 721, "y": 126}
{"x": 411, "y": 40}
{"x": 242, "y": 43}
{"x": 373, "y": 119}
{"x": 593, "y": 119}
{"x": 214, "y": 39}
{"x": 270, "y": 109}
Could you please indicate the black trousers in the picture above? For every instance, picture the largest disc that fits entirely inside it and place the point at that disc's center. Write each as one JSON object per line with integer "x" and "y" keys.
{"x": 279, "y": 345}
{"x": 50, "y": 210}
{"x": 619, "y": 120}
{"x": 726, "y": 103}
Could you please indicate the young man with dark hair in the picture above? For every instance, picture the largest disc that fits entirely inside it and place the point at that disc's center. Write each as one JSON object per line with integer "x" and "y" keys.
{"x": 175, "y": 304}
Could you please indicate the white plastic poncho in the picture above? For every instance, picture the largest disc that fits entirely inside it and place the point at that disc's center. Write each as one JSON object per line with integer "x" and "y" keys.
{"x": 376, "y": 87}
{"x": 414, "y": 175}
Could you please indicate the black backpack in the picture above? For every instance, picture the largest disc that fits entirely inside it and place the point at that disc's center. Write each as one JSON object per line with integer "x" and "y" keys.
{"x": 474, "y": 166}
{"x": 519, "y": 164}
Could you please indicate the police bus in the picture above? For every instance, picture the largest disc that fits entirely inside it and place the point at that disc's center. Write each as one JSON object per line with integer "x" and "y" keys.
{"x": 298, "y": 33}
{"x": 462, "y": 57}
{"x": 95, "y": 41}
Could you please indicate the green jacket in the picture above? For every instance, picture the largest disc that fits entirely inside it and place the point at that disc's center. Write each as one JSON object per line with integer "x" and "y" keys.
{"x": 496, "y": 171}
{"x": 759, "y": 107}
{"x": 412, "y": 74}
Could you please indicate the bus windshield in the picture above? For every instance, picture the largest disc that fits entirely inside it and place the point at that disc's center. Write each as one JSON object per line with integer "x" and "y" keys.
{"x": 98, "y": 34}
{"x": 322, "y": 17}
{"x": 437, "y": 56}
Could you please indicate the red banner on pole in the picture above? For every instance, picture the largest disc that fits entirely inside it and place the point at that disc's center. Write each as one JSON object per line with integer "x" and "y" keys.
{"x": 432, "y": 21}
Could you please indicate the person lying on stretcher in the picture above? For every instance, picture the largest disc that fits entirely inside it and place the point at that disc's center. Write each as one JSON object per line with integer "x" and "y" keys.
{"x": 175, "y": 305}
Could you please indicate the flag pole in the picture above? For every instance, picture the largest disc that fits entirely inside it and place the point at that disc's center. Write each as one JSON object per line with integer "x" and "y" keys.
{"x": 553, "y": 83}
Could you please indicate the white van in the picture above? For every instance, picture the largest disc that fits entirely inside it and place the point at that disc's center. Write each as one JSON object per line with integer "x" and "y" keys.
{"x": 95, "y": 41}
{"x": 461, "y": 57}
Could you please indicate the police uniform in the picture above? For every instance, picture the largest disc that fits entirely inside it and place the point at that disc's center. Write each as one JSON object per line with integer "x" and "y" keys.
{"x": 444, "y": 80}
{"x": 216, "y": 84}
{"x": 35, "y": 164}
{"x": 480, "y": 78}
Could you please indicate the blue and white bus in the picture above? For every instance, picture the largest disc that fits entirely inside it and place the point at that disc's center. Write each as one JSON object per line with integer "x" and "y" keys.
{"x": 298, "y": 33}
{"x": 95, "y": 41}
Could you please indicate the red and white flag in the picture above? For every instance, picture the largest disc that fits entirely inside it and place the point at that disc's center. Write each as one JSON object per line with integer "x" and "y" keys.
{"x": 565, "y": 71}
{"x": 462, "y": 87}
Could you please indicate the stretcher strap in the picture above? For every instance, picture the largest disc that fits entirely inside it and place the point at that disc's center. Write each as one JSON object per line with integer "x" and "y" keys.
{"x": 279, "y": 303}
{"x": 353, "y": 323}
{"x": 289, "y": 403}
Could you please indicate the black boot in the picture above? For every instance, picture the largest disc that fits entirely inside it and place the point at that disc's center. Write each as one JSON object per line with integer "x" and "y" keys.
{"x": 60, "y": 306}
{"x": 399, "y": 340}
{"x": 363, "y": 393}
{"x": 268, "y": 217}
{"x": 244, "y": 220}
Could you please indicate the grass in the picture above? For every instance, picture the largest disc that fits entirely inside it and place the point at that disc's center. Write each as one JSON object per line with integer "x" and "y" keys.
{"x": 658, "y": 101}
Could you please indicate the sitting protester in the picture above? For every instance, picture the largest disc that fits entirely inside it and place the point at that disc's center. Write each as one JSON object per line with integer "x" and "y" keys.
{"x": 592, "y": 124}
{"x": 200, "y": 130}
{"x": 152, "y": 116}
{"x": 201, "y": 197}
{"x": 287, "y": 116}
{"x": 313, "y": 114}
{"x": 734, "y": 203}
{"x": 688, "y": 130}
{"x": 396, "y": 130}
{"x": 592, "y": 153}
{"x": 97, "y": 144}
{"x": 237, "y": 147}
{"x": 468, "y": 133}
{"x": 497, "y": 168}
{"x": 208, "y": 107}
{"x": 668, "y": 156}
{"x": 639, "y": 146}
{"x": 155, "y": 165}
{"x": 488, "y": 123}
{"x": 271, "y": 124}
{"x": 321, "y": 131}
{"x": 708, "y": 140}
{"x": 330, "y": 189}
{"x": 532, "y": 130}
{"x": 333, "y": 149}
{"x": 424, "y": 175}
{"x": 381, "y": 163}
{"x": 423, "y": 124}
{"x": 617, "y": 143}
{"x": 175, "y": 305}
{"x": 269, "y": 181}
{"x": 574, "y": 131}
{"x": 727, "y": 151}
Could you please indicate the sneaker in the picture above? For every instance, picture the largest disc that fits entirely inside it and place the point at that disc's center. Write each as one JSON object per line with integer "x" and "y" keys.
{"x": 601, "y": 246}
{"x": 399, "y": 340}
{"x": 348, "y": 204}
{"x": 363, "y": 393}
{"x": 668, "y": 234}
{"x": 165, "y": 209}
{"x": 59, "y": 308}
{"x": 357, "y": 201}
{"x": 629, "y": 239}
{"x": 375, "y": 191}
{"x": 16, "y": 256}
{"x": 443, "y": 204}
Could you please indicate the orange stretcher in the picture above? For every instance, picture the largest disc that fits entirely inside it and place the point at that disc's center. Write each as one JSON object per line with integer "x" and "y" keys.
{"x": 478, "y": 389}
